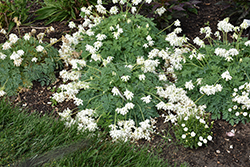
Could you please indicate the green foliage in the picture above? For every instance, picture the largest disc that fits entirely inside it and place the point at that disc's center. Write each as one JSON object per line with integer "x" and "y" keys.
{"x": 60, "y": 10}
{"x": 10, "y": 9}
{"x": 14, "y": 77}
{"x": 192, "y": 130}
{"x": 124, "y": 50}
{"x": 210, "y": 68}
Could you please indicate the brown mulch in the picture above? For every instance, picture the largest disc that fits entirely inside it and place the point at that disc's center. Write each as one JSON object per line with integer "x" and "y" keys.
{"x": 222, "y": 151}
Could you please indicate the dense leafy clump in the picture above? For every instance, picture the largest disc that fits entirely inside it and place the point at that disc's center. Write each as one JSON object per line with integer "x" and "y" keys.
{"x": 217, "y": 75}
{"x": 114, "y": 70}
{"x": 23, "y": 60}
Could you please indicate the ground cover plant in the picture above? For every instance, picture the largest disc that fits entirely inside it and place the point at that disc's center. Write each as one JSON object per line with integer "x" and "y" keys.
{"x": 26, "y": 59}
{"x": 89, "y": 64}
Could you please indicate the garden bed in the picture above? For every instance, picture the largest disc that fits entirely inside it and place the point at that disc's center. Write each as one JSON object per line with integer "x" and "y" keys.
{"x": 224, "y": 150}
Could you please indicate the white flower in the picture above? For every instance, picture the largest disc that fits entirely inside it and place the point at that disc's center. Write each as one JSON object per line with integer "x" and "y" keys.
{"x": 149, "y": 38}
{"x": 26, "y": 37}
{"x": 226, "y": 76}
{"x": 225, "y": 26}
{"x": 98, "y": 44}
{"x": 52, "y": 40}
{"x": 247, "y": 43}
{"x": 145, "y": 45}
{"x": 162, "y": 77}
{"x": 199, "y": 81}
{"x": 122, "y": 111}
{"x": 199, "y": 42}
{"x": 185, "y": 129}
{"x": 129, "y": 95}
{"x": 245, "y": 114}
{"x": 237, "y": 114}
{"x": 244, "y": 24}
{"x": 183, "y": 136}
{"x": 189, "y": 85}
{"x": 133, "y": 10}
{"x": 14, "y": 56}
{"x": 39, "y": 48}
{"x": 2, "y": 56}
{"x": 125, "y": 78}
{"x": 139, "y": 60}
{"x": 142, "y": 77}
{"x": 3, "y": 31}
{"x": 101, "y": 37}
{"x": 17, "y": 62}
{"x": 177, "y": 23}
{"x": 13, "y": 38}
{"x": 20, "y": 52}
{"x": 217, "y": 34}
{"x": 183, "y": 125}
{"x": 205, "y": 141}
{"x": 129, "y": 106}
{"x": 34, "y": 59}
{"x": 209, "y": 137}
{"x": 6, "y": 45}
{"x": 72, "y": 25}
{"x": 160, "y": 11}
{"x": 202, "y": 121}
{"x": 201, "y": 138}
{"x": 146, "y": 99}
{"x": 100, "y": 9}
{"x": 2, "y": 93}
{"x": 115, "y": 91}
{"x": 193, "y": 134}
{"x": 78, "y": 101}
{"x": 199, "y": 143}
{"x": 114, "y": 10}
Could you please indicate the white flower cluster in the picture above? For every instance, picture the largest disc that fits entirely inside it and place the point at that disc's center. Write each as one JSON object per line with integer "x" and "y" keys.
{"x": 113, "y": 10}
{"x": 210, "y": 89}
{"x": 73, "y": 75}
{"x": 174, "y": 40}
{"x": 146, "y": 99}
{"x": 226, "y": 54}
{"x": 84, "y": 119}
{"x": 226, "y": 75}
{"x": 244, "y": 97}
{"x": 207, "y": 30}
{"x": 150, "y": 42}
{"x": 178, "y": 102}
{"x": 16, "y": 56}
{"x": 2, "y": 56}
{"x": 199, "y": 42}
{"x": 160, "y": 11}
{"x": 69, "y": 91}
{"x": 225, "y": 26}
{"x": 126, "y": 130}
{"x": 13, "y": 38}
{"x": 198, "y": 56}
{"x": 125, "y": 109}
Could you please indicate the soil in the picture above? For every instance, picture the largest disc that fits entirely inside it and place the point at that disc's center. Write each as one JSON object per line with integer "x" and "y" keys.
{"x": 222, "y": 151}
